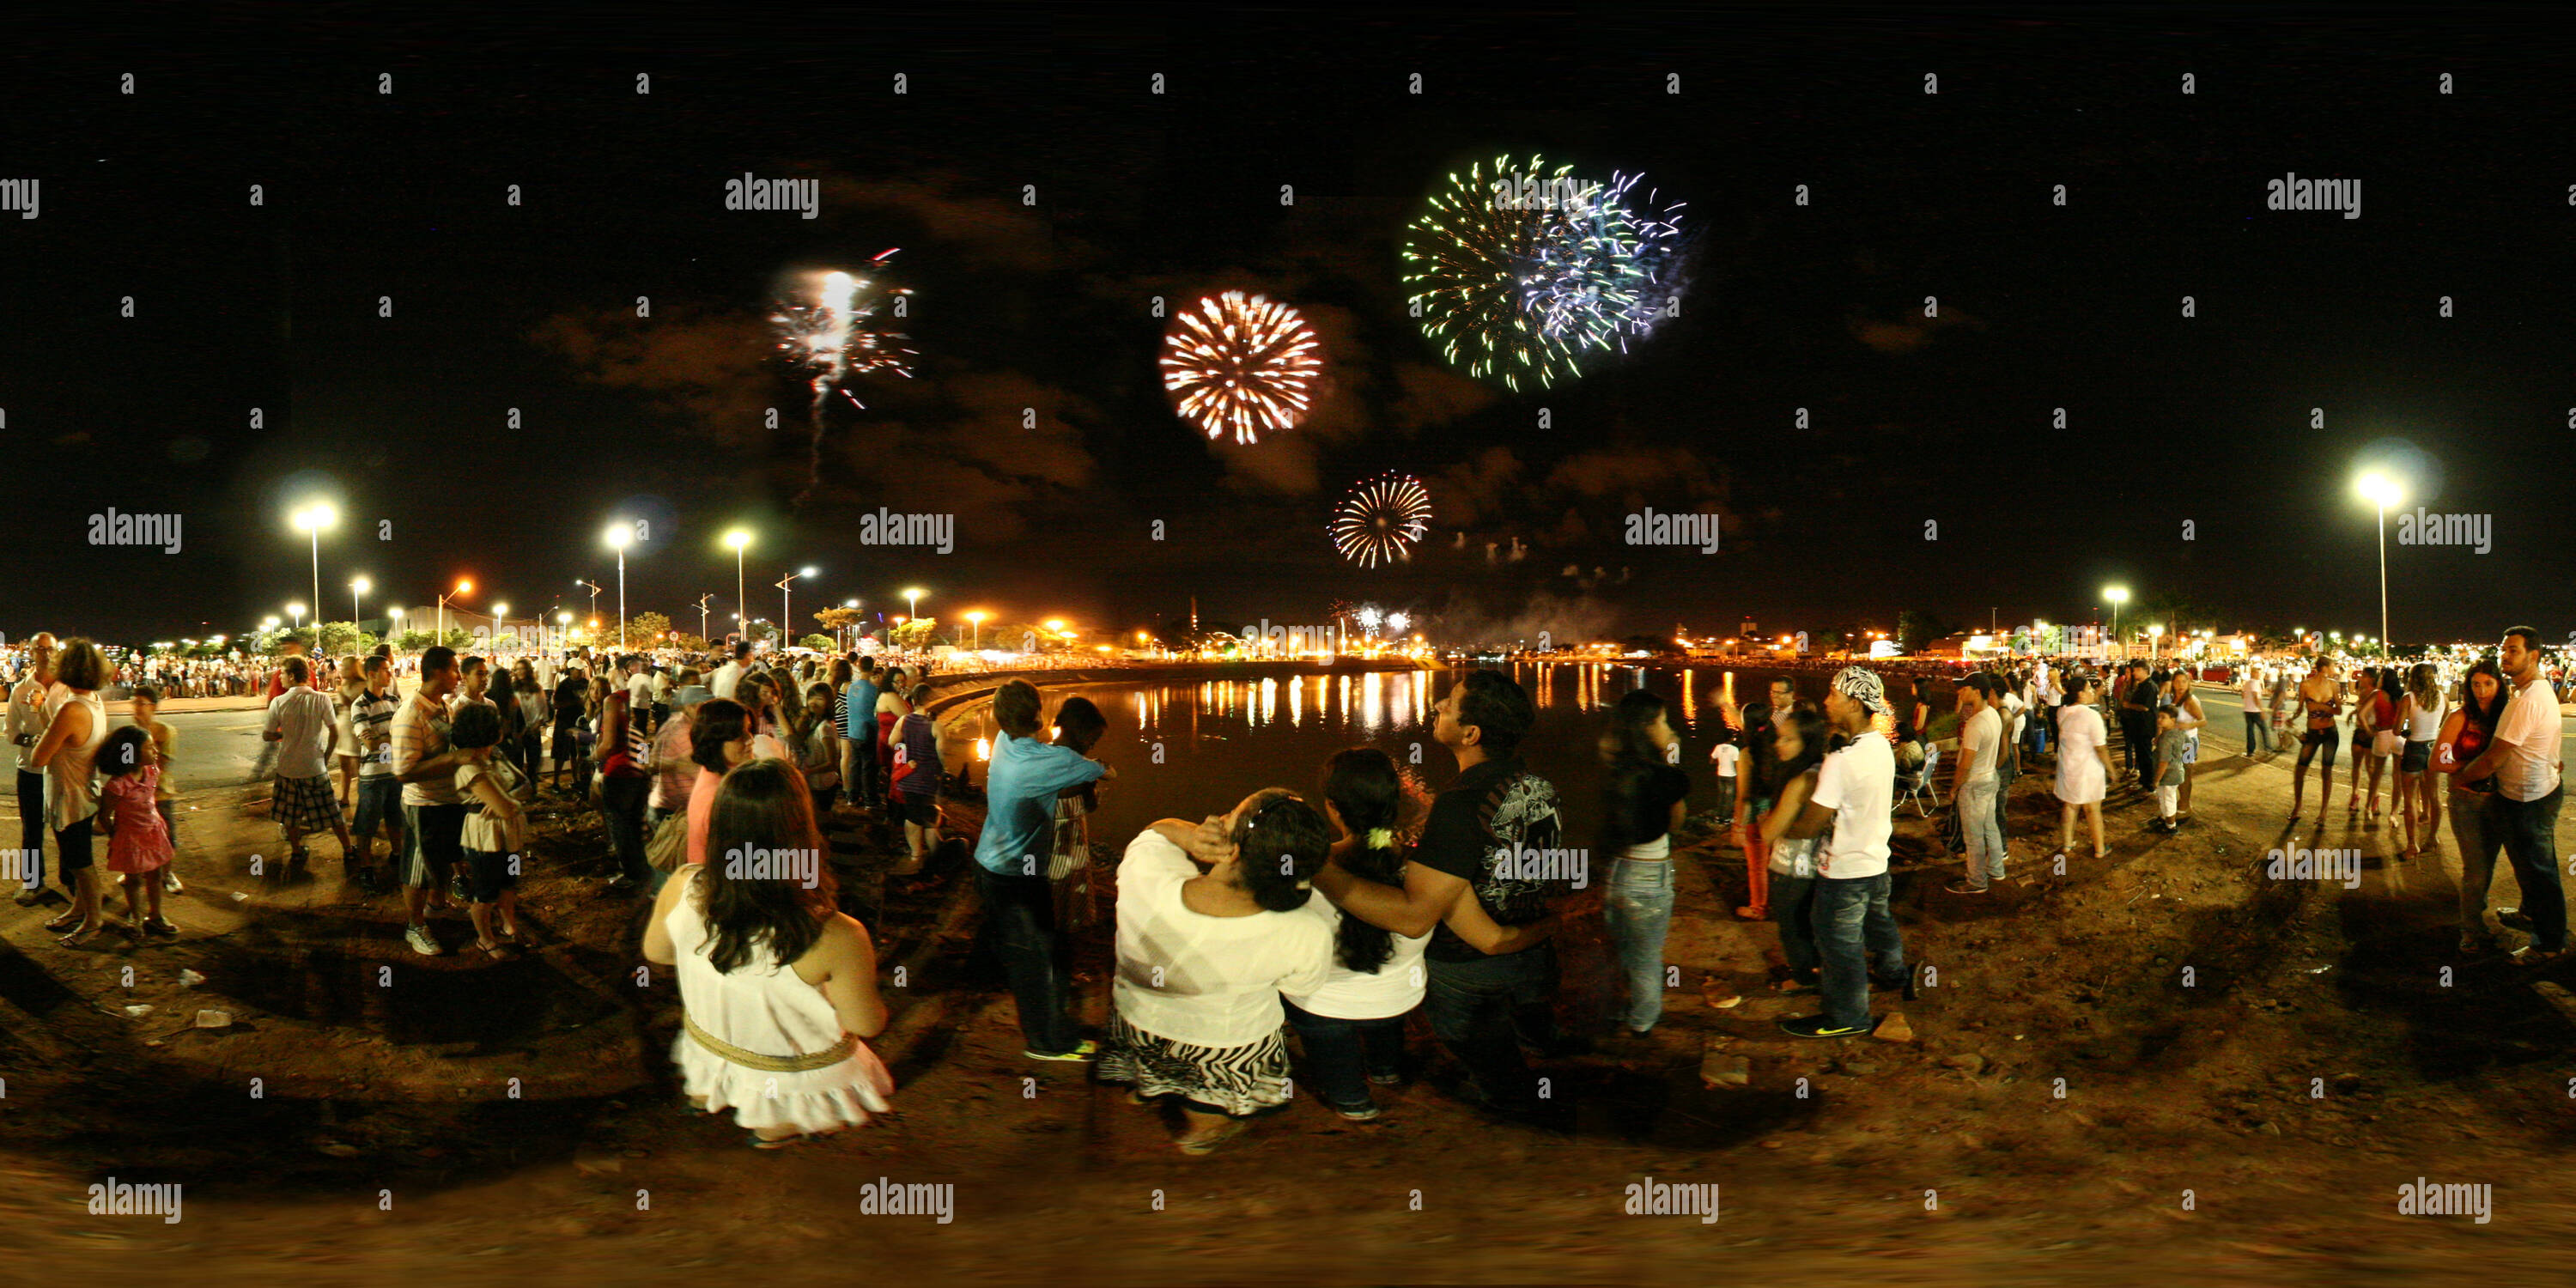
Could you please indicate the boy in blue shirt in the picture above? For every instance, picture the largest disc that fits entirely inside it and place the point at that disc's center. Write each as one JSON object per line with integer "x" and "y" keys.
{"x": 1020, "y": 789}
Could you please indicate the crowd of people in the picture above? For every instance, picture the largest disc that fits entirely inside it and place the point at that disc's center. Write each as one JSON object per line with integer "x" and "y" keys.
{"x": 1325, "y": 912}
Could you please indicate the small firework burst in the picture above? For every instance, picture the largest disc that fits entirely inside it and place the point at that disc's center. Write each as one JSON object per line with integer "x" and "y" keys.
{"x": 1243, "y": 363}
{"x": 1381, "y": 520}
{"x": 1470, "y": 260}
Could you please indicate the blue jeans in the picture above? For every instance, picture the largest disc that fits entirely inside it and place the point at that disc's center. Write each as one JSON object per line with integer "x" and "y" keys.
{"x": 1852, "y": 921}
{"x": 1482, "y": 1010}
{"x": 1639, "y": 908}
{"x": 1985, "y": 839}
{"x": 2258, "y": 732}
{"x": 622, "y": 800}
{"x": 2529, "y": 830}
{"x": 1019, "y": 930}
{"x": 1342, "y": 1054}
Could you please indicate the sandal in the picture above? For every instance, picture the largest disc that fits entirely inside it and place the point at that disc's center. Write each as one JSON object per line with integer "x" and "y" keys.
{"x": 64, "y": 922}
{"x": 498, "y": 952}
{"x": 758, "y": 1141}
{"x": 160, "y": 926}
{"x": 1208, "y": 1144}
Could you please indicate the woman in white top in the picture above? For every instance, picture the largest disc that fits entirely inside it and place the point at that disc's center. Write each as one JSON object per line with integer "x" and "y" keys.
{"x": 1203, "y": 958}
{"x": 1352, "y": 1027}
{"x": 2419, "y": 717}
{"x": 2083, "y": 763}
{"x": 778, "y": 986}
{"x": 75, "y": 725}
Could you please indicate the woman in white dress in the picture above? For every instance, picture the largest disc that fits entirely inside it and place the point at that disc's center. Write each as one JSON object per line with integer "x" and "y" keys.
{"x": 777, "y": 985}
{"x": 2083, "y": 762}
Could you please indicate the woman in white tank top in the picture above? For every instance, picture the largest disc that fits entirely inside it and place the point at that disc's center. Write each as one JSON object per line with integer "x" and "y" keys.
{"x": 76, "y": 723}
{"x": 2418, "y": 800}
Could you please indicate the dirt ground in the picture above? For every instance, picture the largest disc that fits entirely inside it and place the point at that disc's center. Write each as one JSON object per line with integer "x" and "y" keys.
{"x": 2070, "y": 1111}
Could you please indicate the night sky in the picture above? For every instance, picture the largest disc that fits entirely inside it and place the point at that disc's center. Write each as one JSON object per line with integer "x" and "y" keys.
{"x": 2171, "y": 420}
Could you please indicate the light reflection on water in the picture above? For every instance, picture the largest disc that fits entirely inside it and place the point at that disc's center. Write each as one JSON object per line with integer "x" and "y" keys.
{"x": 1193, "y": 748}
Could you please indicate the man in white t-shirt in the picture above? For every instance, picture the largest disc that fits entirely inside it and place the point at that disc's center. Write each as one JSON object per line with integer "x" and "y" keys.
{"x": 730, "y": 674}
{"x": 639, "y": 691}
{"x": 2250, "y": 694}
{"x": 1972, "y": 786}
{"x": 1856, "y": 791}
{"x": 2523, "y": 756}
{"x": 303, "y": 725}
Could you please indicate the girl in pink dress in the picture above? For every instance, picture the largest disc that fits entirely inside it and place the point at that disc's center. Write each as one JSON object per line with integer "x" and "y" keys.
{"x": 138, "y": 846}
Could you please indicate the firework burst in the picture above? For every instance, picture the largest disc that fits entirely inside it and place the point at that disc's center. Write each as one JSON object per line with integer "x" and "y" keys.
{"x": 1608, "y": 267}
{"x": 834, "y": 336}
{"x": 1471, "y": 259}
{"x": 1241, "y": 362}
{"x": 1381, "y": 520}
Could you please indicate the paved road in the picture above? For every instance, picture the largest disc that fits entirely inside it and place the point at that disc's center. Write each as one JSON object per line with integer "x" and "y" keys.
{"x": 216, "y": 748}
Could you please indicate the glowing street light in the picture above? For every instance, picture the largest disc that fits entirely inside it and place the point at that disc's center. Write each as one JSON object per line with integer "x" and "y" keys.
{"x": 2382, "y": 492}
{"x": 975, "y": 621}
{"x": 358, "y": 588}
{"x": 912, "y": 600}
{"x": 464, "y": 586}
{"x": 313, "y": 518}
{"x": 296, "y": 611}
{"x": 393, "y": 623}
{"x": 620, "y": 535}
{"x": 2116, "y": 596}
{"x": 594, "y": 588}
{"x": 786, "y": 622}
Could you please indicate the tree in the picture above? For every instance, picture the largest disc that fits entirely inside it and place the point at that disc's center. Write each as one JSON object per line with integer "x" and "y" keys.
{"x": 840, "y": 619}
{"x": 414, "y": 640}
{"x": 340, "y": 638}
{"x": 645, "y": 630}
{"x": 688, "y": 643}
{"x": 818, "y": 643}
{"x": 1917, "y": 627}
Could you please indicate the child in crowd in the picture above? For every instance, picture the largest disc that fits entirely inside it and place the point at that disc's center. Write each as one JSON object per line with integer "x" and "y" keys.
{"x": 494, "y": 836}
{"x": 2171, "y": 747}
{"x": 138, "y": 846}
{"x": 147, "y": 717}
{"x": 1725, "y": 755}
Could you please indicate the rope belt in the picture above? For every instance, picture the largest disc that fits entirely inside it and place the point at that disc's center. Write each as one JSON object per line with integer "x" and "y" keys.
{"x": 823, "y": 1059}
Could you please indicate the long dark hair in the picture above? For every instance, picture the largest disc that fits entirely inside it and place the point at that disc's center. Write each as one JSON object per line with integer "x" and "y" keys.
{"x": 1812, "y": 733}
{"x": 1753, "y": 767}
{"x": 1366, "y": 791}
{"x": 763, "y": 805}
{"x": 1631, "y": 757}
{"x": 2484, "y": 715}
{"x": 712, "y": 724}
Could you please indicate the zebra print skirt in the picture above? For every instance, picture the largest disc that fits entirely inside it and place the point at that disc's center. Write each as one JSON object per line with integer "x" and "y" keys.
{"x": 1239, "y": 1080}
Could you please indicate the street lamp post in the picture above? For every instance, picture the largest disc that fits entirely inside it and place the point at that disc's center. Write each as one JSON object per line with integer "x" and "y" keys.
{"x": 620, "y": 535}
{"x": 2116, "y": 596}
{"x": 357, "y": 590}
{"x": 738, "y": 539}
{"x": 975, "y": 623}
{"x": 786, "y": 622}
{"x": 297, "y": 612}
{"x": 393, "y": 623}
{"x": 313, "y": 518}
{"x": 563, "y": 630}
{"x": 849, "y": 630}
{"x": 2382, "y": 492}
{"x": 702, "y": 613}
{"x": 594, "y": 596}
{"x": 463, "y": 587}
{"x": 500, "y": 623}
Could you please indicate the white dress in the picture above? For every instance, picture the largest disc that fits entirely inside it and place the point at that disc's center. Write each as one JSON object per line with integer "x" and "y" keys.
{"x": 763, "y": 1007}
{"x": 2079, "y": 770}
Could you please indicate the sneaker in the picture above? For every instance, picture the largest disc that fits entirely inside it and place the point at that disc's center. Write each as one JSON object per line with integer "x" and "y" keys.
{"x": 1962, "y": 887}
{"x": 423, "y": 942}
{"x": 1387, "y": 1079}
{"x": 1357, "y": 1113}
{"x": 170, "y": 882}
{"x": 2513, "y": 919}
{"x": 1084, "y": 1053}
{"x": 1817, "y": 1026}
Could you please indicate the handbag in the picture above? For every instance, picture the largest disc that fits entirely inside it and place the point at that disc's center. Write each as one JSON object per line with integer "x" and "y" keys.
{"x": 1954, "y": 832}
{"x": 669, "y": 848}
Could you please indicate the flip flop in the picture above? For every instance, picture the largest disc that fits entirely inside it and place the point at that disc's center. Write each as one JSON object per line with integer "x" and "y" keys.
{"x": 63, "y": 922}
